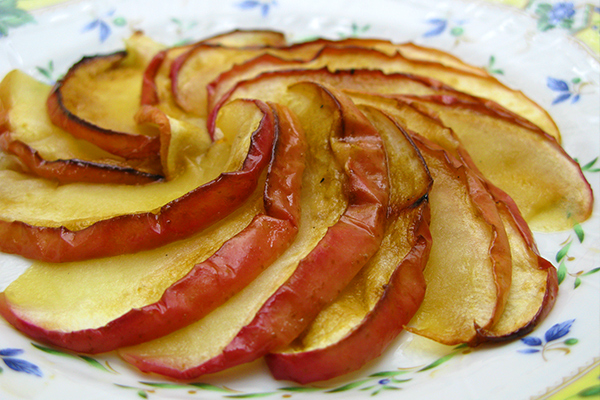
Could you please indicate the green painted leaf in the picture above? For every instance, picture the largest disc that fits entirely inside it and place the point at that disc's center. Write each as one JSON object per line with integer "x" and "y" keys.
{"x": 457, "y": 31}
{"x": 300, "y": 389}
{"x": 401, "y": 380}
{"x": 387, "y": 387}
{"x": 438, "y": 362}
{"x": 579, "y": 231}
{"x": 387, "y": 373}
{"x": 120, "y": 21}
{"x": 142, "y": 394}
{"x": 349, "y": 386}
{"x": 577, "y": 283}
{"x": 94, "y": 363}
{"x": 571, "y": 341}
{"x": 53, "y": 351}
{"x": 590, "y": 392}
{"x": 208, "y": 386}
{"x": 593, "y": 271}
{"x": 251, "y": 395}
{"x": 562, "y": 272}
{"x": 588, "y": 166}
{"x": 563, "y": 252}
{"x": 165, "y": 385}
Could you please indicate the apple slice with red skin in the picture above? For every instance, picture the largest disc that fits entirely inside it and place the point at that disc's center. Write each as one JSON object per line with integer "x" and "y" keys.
{"x": 469, "y": 271}
{"x": 65, "y": 171}
{"x": 373, "y": 309}
{"x": 359, "y": 80}
{"x": 47, "y": 151}
{"x": 98, "y": 97}
{"x": 280, "y": 311}
{"x": 108, "y": 120}
{"x": 534, "y": 282}
{"x": 485, "y": 87}
{"x": 208, "y": 284}
{"x": 546, "y": 183}
{"x": 130, "y": 233}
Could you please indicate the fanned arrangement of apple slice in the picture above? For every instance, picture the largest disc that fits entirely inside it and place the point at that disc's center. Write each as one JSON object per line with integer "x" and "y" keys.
{"x": 198, "y": 207}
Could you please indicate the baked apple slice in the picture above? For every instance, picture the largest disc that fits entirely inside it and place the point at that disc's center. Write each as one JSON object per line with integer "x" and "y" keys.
{"x": 529, "y": 165}
{"x": 99, "y": 96}
{"x": 156, "y": 80}
{"x": 533, "y": 280}
{"x": 49, "y": 152}
{"x": 119, "y": 310}
{"x": 373, "y": 309}
{"x": 192, "y": 71}
{"x": 344, "y": 202}
{"x": 469, "y": 270}
{"x": 81, "y": 221}
{"x": 484, "y": 87}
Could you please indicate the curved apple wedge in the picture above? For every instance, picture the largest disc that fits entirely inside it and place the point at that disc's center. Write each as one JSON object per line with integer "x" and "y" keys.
{"x": 204, "y": 287}
{"x": 99, "y": 96}
{"x": 534, "y": 282}
{"x": 529, "y": 165}
{"x": 82, "y": 221}
{"x": 486, "y": 88}
{"x": 469, "y": 270}
{"x": 373, "y": 309}
{"x": 156, "y": 78}
{"x": 49, "y": 152}
{"x": 344, "y": 201}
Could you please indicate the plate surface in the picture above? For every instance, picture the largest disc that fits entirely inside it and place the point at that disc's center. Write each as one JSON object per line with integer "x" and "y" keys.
{"x": 546, "y": 64}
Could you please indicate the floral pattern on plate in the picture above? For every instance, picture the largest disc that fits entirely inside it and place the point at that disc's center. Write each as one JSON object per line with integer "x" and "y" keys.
{"x": 568, "y": 87}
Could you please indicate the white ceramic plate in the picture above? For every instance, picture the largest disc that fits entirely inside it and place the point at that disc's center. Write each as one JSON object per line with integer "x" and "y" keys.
{"x": 525, "y": 50}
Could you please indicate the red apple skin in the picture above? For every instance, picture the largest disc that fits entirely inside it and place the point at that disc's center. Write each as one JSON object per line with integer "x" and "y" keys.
{"x": 551, "y": 281}
{"x": 131, "y": 233}
{"x": 401, "y": 299}
{"x": 118, "y": 143}
{"x": 68, "y": 171}
{"x": 326, "y": 270}
{"x": 210, "y": 283}
{"x": 149, "y": 95}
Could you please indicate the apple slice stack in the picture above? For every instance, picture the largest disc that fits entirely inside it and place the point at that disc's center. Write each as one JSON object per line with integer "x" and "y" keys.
{"x": 202, "y": 206}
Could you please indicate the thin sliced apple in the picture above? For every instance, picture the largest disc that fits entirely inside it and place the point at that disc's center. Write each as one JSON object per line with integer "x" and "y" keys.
{"x": 533, "y": 283}
{"x": 248, "y": 37}
{"x": 340, "y": 230}
{"x": 484, "y": 87}
{"x": 373, "y": 309}
{"x": 469, "y": 269}
{"x": 52, "y": 153}
{"x": 80, "y": 221}
{"x": 99, "y": 96}
{"x": 156, "y": 82}
{"x": 193, "y": 71}
{"x": 278, "y": 76}
{"x": 40, "y": 302}
{"x": 545, "y": 182}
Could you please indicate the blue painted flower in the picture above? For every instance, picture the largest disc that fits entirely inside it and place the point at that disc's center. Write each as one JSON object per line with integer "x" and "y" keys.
{"x": 565, "y": 90}
{"x": 263, "y": 6}
{"x": 9, "y": 356}
{"x": 441, "y": 25}
{"x": 552, "y": 15}
{"x": 557, "y": 331}
{"x": 561, "y": 12}
{"x": 103, "y": 27}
